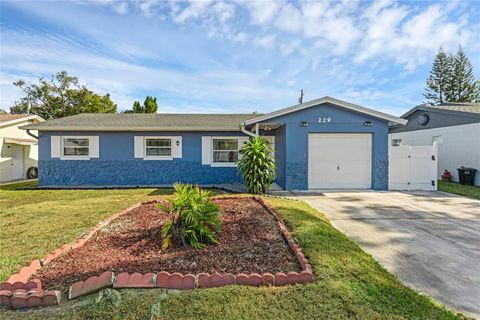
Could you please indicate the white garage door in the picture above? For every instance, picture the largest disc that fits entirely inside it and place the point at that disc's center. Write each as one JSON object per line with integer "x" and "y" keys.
{"x": 339, "y": 161}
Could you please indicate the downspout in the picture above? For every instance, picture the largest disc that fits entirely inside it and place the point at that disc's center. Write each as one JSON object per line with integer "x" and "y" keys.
{"x": 31, "y": 134}
{"x": 248, "y": 133}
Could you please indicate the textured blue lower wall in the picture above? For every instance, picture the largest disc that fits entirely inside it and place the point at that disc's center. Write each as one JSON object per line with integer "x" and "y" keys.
{"x": 131, "y": 173}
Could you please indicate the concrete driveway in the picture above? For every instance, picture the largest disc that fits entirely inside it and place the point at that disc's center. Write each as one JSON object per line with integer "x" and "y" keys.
{"x": 430, "y": 240}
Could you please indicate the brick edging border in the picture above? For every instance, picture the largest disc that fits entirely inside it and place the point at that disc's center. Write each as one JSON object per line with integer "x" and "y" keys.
{"x": 188, "y": 281}
{"x": 26, "y": 272}
{"x": 161, "y": 279}
{"x": 19, "y": 292}
{"x": 286, "y": 234}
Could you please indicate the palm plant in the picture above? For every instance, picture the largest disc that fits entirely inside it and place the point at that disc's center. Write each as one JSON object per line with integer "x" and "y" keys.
{"x": 194, "y": 218}
{"x": 257, "y": 165}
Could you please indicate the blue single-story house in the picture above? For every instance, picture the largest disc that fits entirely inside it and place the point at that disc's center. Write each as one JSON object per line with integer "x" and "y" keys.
{"x": 321, "y": 144}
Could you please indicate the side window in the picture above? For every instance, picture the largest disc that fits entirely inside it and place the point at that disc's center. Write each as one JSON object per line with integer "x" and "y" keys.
{"x": 396, "y": 142}
{"x": 155, "y": 147}
{"x": 76, "y": 147}
{"x": 225, "y": 150}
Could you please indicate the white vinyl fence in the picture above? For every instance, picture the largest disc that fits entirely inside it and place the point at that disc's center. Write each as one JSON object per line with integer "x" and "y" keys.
{"x": 413, "y": 167}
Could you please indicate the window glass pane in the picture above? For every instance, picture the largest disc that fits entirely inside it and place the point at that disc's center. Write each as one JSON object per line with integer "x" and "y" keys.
{"x": 153, "y": 151}
{"x": 225, "y": 144}
{"x": 75, "y": 151}
{"x": 158, "y": 142}
{"x": 73, "y": 142}
{"x": 225, "y": 156}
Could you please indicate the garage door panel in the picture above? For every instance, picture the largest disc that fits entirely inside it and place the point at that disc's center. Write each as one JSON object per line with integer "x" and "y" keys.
{"x": 339, "y": 161}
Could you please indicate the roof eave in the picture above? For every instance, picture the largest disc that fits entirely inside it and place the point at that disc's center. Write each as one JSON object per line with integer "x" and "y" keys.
{"x": 32, "y": 117}
{"x": 132, "y": 129}
{"x": 351, "y": 106}
{"x": 440, "y": 110}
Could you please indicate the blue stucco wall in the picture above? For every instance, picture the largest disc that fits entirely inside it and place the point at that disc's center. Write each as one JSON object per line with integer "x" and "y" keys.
{"x": 343, "y": 121}
{"x": 280, "y": 151}
{"x": 118, "y": 166}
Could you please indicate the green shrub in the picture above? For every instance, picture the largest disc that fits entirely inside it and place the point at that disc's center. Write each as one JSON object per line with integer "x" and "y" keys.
{"x": 257, "y": 165}
{"x": 194, "y": 218}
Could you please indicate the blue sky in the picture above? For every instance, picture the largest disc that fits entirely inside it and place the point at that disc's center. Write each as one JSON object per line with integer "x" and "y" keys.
{"x": 236, "y": 56}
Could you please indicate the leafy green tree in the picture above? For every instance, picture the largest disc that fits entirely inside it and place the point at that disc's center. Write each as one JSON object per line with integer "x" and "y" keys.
{"x": 149, "y": 106}
{"x": 257, "y": 165}
{"x": 60, "y": 96}
{"x": 439, "y": 80}
{"x": 137, "y": 107}
{"x": 194, "y": 218}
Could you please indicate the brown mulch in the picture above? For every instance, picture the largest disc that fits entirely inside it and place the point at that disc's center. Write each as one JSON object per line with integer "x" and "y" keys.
{"x": 250, "y": 241}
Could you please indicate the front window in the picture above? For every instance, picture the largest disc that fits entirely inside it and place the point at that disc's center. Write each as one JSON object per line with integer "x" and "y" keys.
{"x": 155, "y": 147}
{"x": 76, "y": 147}
{"x": 225, "y": 150}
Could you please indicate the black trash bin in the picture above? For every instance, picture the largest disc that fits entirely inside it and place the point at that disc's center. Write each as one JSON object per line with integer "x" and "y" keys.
{"x": 466, "y": 176}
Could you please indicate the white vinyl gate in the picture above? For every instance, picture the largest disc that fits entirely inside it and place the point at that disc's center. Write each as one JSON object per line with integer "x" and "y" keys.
{"x": 413, "y": 167}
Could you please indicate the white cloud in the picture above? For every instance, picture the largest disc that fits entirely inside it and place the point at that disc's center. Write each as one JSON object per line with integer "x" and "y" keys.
{"x": 224, "y": 11}
{"x": 289, "y": 18}
{"x": 262, "y": 12}
{"x": 206, "y": 53}
{"x": 266, "y": 41}
{"x": 41, "y": 55}
{"x": 195, "y": 9}
{"x": 385, "y": 29}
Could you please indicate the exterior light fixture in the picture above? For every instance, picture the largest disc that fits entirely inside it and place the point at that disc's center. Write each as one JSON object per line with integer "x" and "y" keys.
{"x": 368, "y": 123}
{"x": 177, "y": 143}
{"x": 303, "y": 124}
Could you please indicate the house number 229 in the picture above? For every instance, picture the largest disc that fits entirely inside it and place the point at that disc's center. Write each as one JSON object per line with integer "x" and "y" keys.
{"x": 324, "y": 120}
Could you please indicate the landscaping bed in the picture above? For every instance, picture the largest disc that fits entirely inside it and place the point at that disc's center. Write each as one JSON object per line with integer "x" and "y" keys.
{"x": 250, "y": 242}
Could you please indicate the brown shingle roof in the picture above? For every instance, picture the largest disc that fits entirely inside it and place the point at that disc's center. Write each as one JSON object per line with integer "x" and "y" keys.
{"x": 144, "y": 122}
{"x": 460, "y": 107}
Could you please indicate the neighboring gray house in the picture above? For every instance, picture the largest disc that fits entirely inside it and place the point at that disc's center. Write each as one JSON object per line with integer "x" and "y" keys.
{"x": 456, "y": 128}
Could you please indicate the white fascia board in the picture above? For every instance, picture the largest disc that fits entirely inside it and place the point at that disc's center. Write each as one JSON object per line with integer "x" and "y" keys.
{"x": 32, "y": 117}
{"x": 344, "y": 104}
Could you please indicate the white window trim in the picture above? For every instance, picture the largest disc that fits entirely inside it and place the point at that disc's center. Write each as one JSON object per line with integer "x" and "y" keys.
{"x": 145, "y": 157}
{"x": 223, "y": 164}
{"x": 67, "y": 157}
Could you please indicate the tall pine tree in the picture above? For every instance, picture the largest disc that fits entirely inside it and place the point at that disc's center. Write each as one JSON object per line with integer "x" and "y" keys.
{"x": 439, "y": 80}
{"x": 451, "y": 79}
{"x": 464, "y": 89}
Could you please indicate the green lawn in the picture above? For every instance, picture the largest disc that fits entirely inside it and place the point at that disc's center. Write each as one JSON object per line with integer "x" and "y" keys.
{"x": 466, "y": 191}
{"x": 33, "y": 223}
{"x": 349, "y": 283}
{"x": 18, "y": 185}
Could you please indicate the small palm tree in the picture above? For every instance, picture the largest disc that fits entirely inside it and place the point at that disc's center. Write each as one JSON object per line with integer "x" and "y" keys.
{"x": 194, "y": 218}
{"x": 257, "y": 165}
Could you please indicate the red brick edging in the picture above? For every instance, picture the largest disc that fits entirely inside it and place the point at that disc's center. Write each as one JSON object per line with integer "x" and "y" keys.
{"x": 21, "y": 295}
{"x": 180, "y": 281}
{"x": 36, "y": 297}
{"x": 18, "y": 292}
